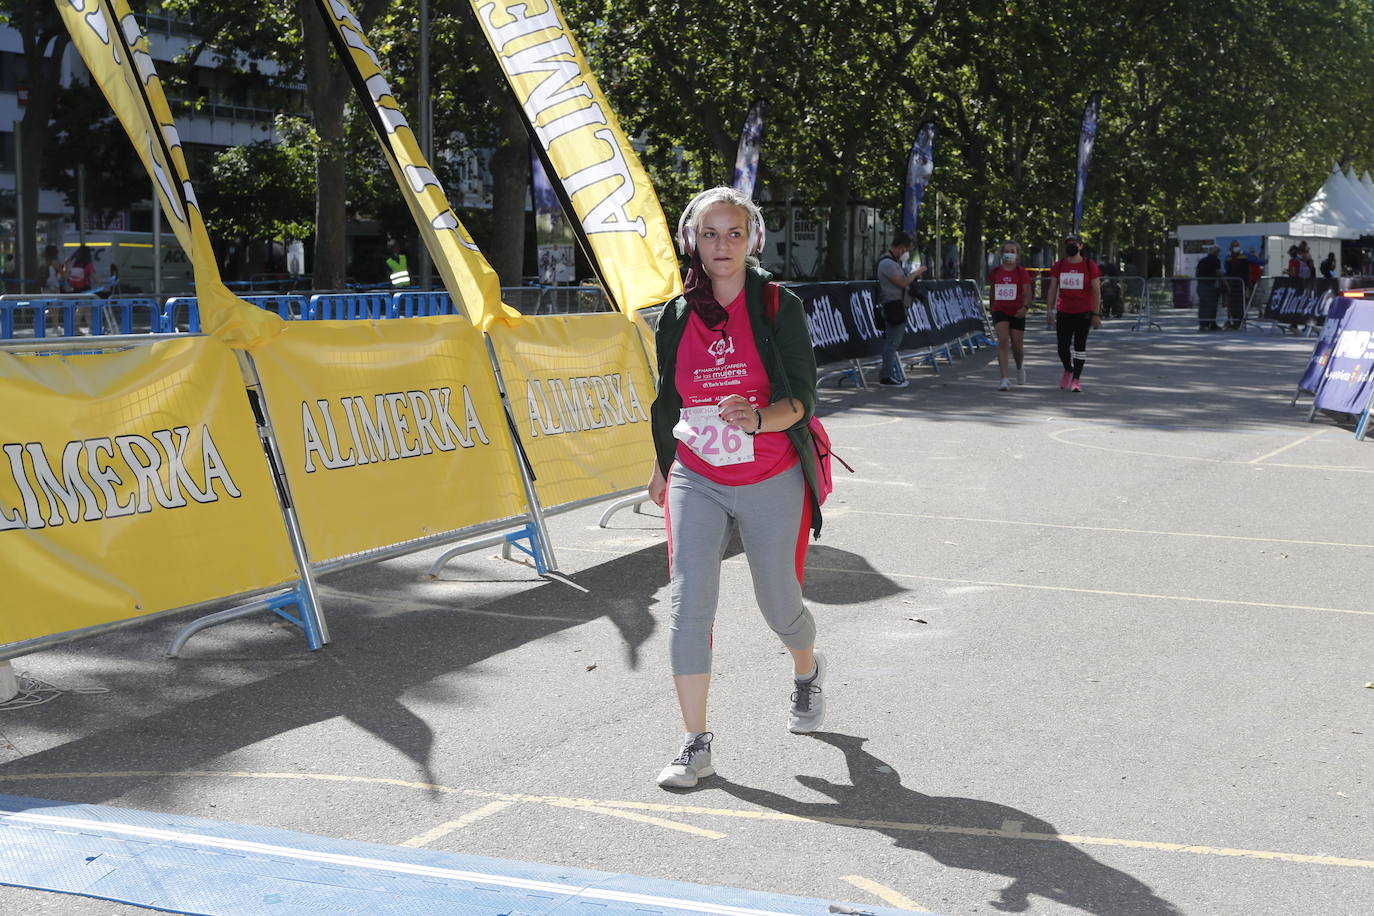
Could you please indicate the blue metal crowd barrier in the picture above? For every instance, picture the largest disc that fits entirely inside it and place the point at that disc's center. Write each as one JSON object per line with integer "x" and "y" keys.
{"x": 421, "y": 304}
{"x": 42, "y": 318}
{"x": 180, "y": 314}
{"x": 352, "y": 306}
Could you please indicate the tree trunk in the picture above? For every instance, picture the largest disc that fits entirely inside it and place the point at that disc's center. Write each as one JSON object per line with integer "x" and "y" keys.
{"x": 327, "y": 89}
{"x": 43, "y": 56}
{"x": 510, "y": 175}
{"x": 975, "y": 261}
{"x": 837, "y": 226}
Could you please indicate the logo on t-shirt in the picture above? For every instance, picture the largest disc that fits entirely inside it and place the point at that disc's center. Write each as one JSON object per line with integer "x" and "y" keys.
{"x": 722, "y": 348}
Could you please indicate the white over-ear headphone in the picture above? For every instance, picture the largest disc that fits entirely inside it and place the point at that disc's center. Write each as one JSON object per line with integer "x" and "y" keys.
{"x": 687, "y": 230}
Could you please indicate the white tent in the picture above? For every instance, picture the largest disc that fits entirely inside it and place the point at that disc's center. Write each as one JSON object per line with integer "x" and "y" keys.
{"x": 1334, "y": 204}
{"x": 1367, "y": 182}
{"x": 1364, "y": 193}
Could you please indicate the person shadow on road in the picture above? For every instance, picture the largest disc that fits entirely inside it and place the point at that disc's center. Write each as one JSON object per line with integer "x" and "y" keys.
{"x": 966, "y": 833}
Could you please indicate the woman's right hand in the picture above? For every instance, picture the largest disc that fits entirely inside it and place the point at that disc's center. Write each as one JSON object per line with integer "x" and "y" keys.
{"x": 658, "y": 487}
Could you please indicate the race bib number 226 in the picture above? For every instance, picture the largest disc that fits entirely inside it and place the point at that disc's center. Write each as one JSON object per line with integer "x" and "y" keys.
{"x": 715, "y": 441}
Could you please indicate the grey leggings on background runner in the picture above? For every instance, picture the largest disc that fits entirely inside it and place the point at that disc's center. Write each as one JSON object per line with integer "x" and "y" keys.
{"x": 701, "y": 515}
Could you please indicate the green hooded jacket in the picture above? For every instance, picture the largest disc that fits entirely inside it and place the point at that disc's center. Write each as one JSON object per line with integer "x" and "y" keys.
{"x": 785, "y": 349}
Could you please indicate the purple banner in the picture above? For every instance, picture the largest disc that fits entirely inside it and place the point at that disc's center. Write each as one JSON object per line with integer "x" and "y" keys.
{"x": 1345, "y": 380}
{"x": 747, "y": 157}
{"x": 918, "y": 171}
{"x": 1086, "y": 137}
{"x": 1316, "y": 364}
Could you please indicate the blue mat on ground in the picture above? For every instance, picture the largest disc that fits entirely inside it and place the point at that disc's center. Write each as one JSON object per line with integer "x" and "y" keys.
{"x": 196, "y": 866}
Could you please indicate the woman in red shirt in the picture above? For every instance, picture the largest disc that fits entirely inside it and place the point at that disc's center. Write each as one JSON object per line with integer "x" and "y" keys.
{"x": 1009, "y": 296}
{"x": 1075, "y": 292}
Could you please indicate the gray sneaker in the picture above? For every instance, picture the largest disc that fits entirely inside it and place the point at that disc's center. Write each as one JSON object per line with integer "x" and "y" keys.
{"x": 693, "y": 763}
{"x": 808, "y": 703}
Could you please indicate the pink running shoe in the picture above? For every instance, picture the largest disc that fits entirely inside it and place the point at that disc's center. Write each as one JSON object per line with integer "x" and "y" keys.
{"x": 1065, "y": 379}
{"x": 1075, "y": 386}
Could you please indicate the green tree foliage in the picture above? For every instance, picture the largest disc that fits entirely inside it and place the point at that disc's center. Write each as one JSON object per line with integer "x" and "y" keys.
{"x": 264, "y": 190}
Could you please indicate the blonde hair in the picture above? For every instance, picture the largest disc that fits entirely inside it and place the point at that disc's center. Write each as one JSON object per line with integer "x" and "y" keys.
{"x": 688, "y": 222}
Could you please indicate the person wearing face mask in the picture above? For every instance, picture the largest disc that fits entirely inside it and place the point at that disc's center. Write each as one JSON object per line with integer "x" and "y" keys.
{"x": 1010, "y": 288}
{"x": 1074, "y": 300}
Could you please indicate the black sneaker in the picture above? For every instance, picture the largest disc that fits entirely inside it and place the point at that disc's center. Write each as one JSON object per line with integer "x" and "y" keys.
{"x": 891, "y": 383}
{"x": 691, "y": 764}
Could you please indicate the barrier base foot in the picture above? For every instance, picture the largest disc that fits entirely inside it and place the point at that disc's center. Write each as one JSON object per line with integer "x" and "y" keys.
{"x": 522, "y": 539}
{"x": 277, "y": 604}
{"x": 632, "y": 503}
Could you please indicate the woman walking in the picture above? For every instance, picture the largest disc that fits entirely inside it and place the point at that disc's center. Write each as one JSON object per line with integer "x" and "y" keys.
{"x": 1010, "y": 285}
{"x": 737, "y": 388}
{"x": 1075, "y": 291}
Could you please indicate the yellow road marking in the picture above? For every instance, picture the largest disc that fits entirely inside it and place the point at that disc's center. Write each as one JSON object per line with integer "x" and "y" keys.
{"x": 1109, "y": 530}
{"x": 1087, "y": 591}
{"x": 444, "y": 830}
{"x": 631, "y": 816}
{"x": 883, "y": 893}
{"x": 1045, "y": 588}
{"x": 758, "y": 815}
{"x": 1309, "y": 436}
{"x": 1057, "y": 434}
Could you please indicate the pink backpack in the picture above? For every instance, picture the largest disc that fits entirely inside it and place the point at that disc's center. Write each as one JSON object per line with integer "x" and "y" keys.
{"x": 820, "y": 439}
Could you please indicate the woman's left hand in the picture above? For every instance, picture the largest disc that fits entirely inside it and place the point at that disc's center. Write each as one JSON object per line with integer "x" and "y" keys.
{"x": 738, "y": 412}
{"x": 1097, "y": 321}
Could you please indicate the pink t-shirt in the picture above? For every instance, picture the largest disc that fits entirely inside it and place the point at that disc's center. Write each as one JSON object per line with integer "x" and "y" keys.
{"x": 712, "y": 364}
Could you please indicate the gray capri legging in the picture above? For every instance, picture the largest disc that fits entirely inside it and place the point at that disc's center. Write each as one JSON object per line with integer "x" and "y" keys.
{"x": 773, "y": 516}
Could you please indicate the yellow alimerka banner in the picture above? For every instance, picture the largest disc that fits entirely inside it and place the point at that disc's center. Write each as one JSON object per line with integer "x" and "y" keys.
{"x": 390, "y": 431}
{"x": 467, "y": 276}
{"x": 589, "y": 157}
{"x": 116, "y": 52}
{"x": 580, "y": 390}
{"x": 130, "y": 483}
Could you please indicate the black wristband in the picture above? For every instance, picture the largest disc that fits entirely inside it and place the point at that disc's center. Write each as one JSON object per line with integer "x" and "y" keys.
{"x": 758, "y": 423}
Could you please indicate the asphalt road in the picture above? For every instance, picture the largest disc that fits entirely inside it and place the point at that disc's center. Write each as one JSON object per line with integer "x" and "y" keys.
{"x": 1103, "y": 653}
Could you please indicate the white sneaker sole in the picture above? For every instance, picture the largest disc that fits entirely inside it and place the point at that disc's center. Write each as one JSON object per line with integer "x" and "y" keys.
{"x": 676, "y": 777}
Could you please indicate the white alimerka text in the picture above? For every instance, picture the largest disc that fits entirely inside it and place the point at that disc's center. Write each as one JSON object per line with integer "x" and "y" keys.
{"x": 109, "y": 477}
{"x": 581, "y": 403}
{"x": 395, "y": 425}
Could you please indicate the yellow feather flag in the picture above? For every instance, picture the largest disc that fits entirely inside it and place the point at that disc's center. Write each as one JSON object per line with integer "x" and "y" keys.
{"x": 589, "y": 161}
{"x": 116, "y": 52}
{"x": 467, "y": 276}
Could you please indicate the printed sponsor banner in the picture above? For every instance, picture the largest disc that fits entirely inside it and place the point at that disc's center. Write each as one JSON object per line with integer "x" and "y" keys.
{"x": 1294, "y": 300}
{"x": 747, "y": 155}
{"x": 1087, "y": 136}
{"x": 580, "y": 389}
{"x": 553, "y": 234}
{"x": 467, "y": 276}
{"x": 595, "y": 171}
{"x": 1348, "y": 376}
{"x": 843, "y": 324}
{"x": 920, "y": 166}
{"x": 130, "y": 483}
{"x": 1321, "y": 353}
{"x": 390, "y": 431}
{"x": 116, "y": 53}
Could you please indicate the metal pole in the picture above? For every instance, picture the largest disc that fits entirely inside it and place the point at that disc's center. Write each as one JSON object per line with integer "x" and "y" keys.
{"x": 939, "y": 241}
{"x": 311, "y": 616}
{"x": 787, "y": 269}
{"x": 536, "y": 509}
{"x": 21, "y": 243}
{"x": 157, "y": 242}
{"x": 426, "y": 129}
{"x": 81, "y": 203}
